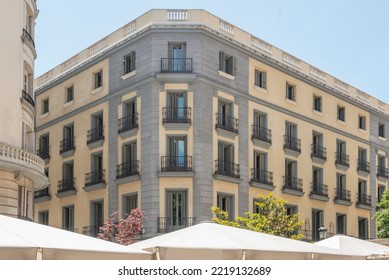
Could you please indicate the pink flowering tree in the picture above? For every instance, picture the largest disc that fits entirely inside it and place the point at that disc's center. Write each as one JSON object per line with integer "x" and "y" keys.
{"x": 125, "y": 231}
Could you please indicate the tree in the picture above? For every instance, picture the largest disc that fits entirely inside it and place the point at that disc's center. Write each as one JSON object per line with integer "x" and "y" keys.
{"x": 382, "y": 216}
{"x": 272, "y": 218}
{"x": 125, "y": 231}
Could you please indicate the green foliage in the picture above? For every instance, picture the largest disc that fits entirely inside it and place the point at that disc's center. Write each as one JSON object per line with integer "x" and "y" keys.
{"x": 382, "y": 216}
{"x": 272, "y": 218}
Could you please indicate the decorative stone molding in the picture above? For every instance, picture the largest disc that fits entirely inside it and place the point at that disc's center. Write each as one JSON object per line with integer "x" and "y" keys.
{"x": 70, "y": 62}
{"x": 215, "y": 92}
{"x": 100, "y": 45}
{"x": 128, "y": 28}
{"x": 45, "y": 77}
{"x": 226, "y": 27}
{"x": 290, "y": 59}
{"x": 262, "y": 45}
{"x": 363, "y": 95}
{"x": 20, "y": 155}
{"x": 177, "y": 15}
{"x": 341, "y": 85}
{"x": 317, "y": 73}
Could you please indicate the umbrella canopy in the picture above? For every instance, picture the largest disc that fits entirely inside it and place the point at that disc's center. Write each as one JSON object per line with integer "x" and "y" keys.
{"x": 21, "y": 239}
{"x": 209, "y": 240}
{"x": 354, "y": 246}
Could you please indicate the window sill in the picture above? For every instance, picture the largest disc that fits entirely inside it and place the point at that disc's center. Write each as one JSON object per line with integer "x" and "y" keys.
{"x": 291, "y": 101}
{"x": 341, "y": 122}
{"x": 44, "y": 115}
{"x": 67, "y": 104}
{"x": 382, "y": 138}
{"x": 128, "y": 75}
{"x": 317, "y": 112}
{"x": 226, "y": 75}
{"x": 258, "y": 88}
{"x": 97, "y": 90}
{"x": 362, "y": 130}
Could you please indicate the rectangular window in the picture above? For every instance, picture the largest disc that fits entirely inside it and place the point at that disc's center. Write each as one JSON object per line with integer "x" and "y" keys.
{"x": 291, "y": 174}
{"x": 67, "y": 176}
{"x": 226, "y": 157}
{"x": 226, "y": 63}
{"x": 341, "y": 224}
{"x": 290, "y": 92}
{"x": 43, "y": 151}
{"x": 130, "y": 202}
{"x": 317, "y": 223}
{"x": 99, "y": 79}
{"x": 317, "y": 106}
{"x": 97, "y": 217}
{"x": 381, "y": 130}
{"x": 43, "y": 217}
{"x": 225, "y": 202}
{"x": 341, "y": 113}
{"x": 69, "y": 94}
{"x": 380, "y": 191}
{"x": 260, "y": 79}
{"x": 363, "y": 228}
{"x": 45, "y": 106}
{"x": 129, "y": 63}
{"x": 68, "y": 218}
{"x": 176, "y": 209}
{"x": 362, "y": 122}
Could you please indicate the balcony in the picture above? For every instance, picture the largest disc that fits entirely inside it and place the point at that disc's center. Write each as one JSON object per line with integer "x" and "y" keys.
{"x": 176, "y": 65}
{"x": 228, "y": 169}
{"x": 95, "y": 179}
{"x": 66, "y": 187}
{"x": 319, "y": 191}
{"x": 363, "y": 201}
{"x": 262, "y": 179}
{"x": 261, "y": 136}
{"x": 178, "y": 118}
{"x": 67, "y": 147}
{"x": 127, "y": 169}
{"x": 318, "y": 153}
{"x": 42, "y": 195}
{"x": 382, "y": 173}
{"x": 169, "y": 224}
{"x": 28, "y": 98}
{"x": 176, "y": 164}
{"x": 226, "y": 126}
{"x": 28, "y": 37}
{"x": 342, "y": 161}
{"x": 128, "y": 126}
{"x": 95, "y": 137}
{"x": 292, "y": 145}
{"x": 363, "y": 167}
{"x": 293, "y": 185}
{"x": 91, "y": 230}
{"x": 342, "y": 196}
{"x": 44, "y": 153}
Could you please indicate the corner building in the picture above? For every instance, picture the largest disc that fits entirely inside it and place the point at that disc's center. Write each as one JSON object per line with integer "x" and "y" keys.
{"x": 179, "y": 111}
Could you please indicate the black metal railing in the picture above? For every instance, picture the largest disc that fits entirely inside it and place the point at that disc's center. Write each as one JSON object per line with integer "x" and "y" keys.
{"x": 66, "y": 145}
{"x": 176, "y": 115}
{"x": 127, "y": 169}
{"x": 169, "y": 224}
{"x": 319, "y": 189}
{"x": 42, "y": 193}
{"x": 382, "y": 172}
{"x": 28, "y": 36}
{"x": 176, "y": 65}
{"x": 66, "y": 185}
{"x": 319, "y": 151}
{"x": 128, "y": 122}
{"x": 28, "y": 98}
{"x": 261, "y": 133}
{"x": 292, "y": 143}
{"x": 363, "y": 199}
{"x": 293, "y": 183}
{"x": 43, "y": 153}
{"x": 342, "y": 159}
{"x": 176, "y": 163}
{"x": 343, "y": 194}
{"x": 91, "y": 230}
{"x": 95, "y": 134}
{"x": 227, "y": 168}
{"x": 95, "y": 177}
{"x": 363, "y": 165}
{"x": 226, "y": 122}
{"x": 261, "y": 176}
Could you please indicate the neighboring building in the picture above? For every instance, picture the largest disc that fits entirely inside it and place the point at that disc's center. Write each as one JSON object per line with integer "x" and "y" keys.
{"x": 179, "y": 111}
{"x": 21, "y": 171}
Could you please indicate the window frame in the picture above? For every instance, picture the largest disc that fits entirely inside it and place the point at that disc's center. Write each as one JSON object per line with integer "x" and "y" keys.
{"x": 129, "y": 62}
{"x": 98, "y": 79}
{"x": 69, "y": 94}
{"x": 341, "y": 113}
{"x": 381, "y": 130}
{"x": 260, "y": 79}
{"x": 362, "y": 122}
{"x": 290, "y": 92}
{"x": 227, "y": 63}
{"x": 45, "y": 106}
{"x": 320, "y": 104}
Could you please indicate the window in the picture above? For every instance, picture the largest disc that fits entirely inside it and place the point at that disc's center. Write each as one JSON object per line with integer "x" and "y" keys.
{"x": 225, "y": 163}
{"x": 99, "y": 79}
{"x": 363, "y": 228}
{"x": 290, "y": 92}
{"x": 317, "y": 222}
{"x": 68, "y": 218}
{"x": 260, "y": 128}
{"x": 43, "y": 217}
{"x": 130, "y": 202}
{"x": 381, "y": 130}
{"x": 341, "y": 155}
{"x": 69, "y": 94}
{"x": 129, "y": 166}
{"x": 380, "y": 191}
{"x": 291, "y": 181}
{"x": 43, "y": 151}
{"x": 317, "y": 180}
{"x": 45, "y": 106}
{"x": 317, "y": 145}
{"x": 68, "y": 176}
{"x": 97, "y": 128}
{"x": 226, "y": 63}
{"x": 341, "y": 224}
{"x": 176, "y": 110}
{"x": 129, "y": 63}
{"x": 341, "y": 113}
{"x": 176, "y": 61}
{"x": 225, "y": 119}
{"x": 362, "y": 122}
{"x": 176, "y": 208}
{"x": 97, "y": 217}
{"x": 176, "y": 157}
{"x": 67, "y": 142}
{"x": 225, "y": 202}
{"x": 260, "y": 173}
{"x": 96, "y": 175}
{"x": 317, "y": 103}
{"x": 260, "y": 79}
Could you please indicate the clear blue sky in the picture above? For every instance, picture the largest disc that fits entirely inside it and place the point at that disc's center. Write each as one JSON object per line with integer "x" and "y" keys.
{"x": 348, "y": 39}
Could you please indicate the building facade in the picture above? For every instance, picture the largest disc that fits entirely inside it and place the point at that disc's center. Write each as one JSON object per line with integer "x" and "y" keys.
{"x": 179, "y": 111}
{"x": 21, "y": 170}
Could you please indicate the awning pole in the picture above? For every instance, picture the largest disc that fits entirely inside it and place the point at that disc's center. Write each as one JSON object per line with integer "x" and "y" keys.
{"x": 244, "y": 255}
{"x": 39, "y": 254}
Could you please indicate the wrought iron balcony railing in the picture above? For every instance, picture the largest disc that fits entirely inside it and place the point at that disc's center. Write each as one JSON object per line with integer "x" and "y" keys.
{"x": 261, "y": 176}
{"x": 319, "y": 189}
{"x": 128, "y": 122}
{"x": 91, "y": 230}
{"x": 343, "y": 194}
{"x": 67, "y": 145}
{"x": 176, "y": 65}
{"x": 227, "y": 168}
{"x": 66, "y": 185}
{"x": 363, "y": 165}
{"x": 319, "y": 152}
{"x": 292, "y": 143}
{"x": 95, "y": 134}
{"x": 226, "y": 122}
{"x": 168, "y": 224}
{"x": 293, "y": 183}
{"x": 28, "y": 36}
{"x": 261, "y": 133}
{"x": 382, "y": 172}
{"x": 28, "y": 98}
{"x": 342, "y": 159}
{"x": 43, "y": 152}
{"x": 127, "y": 169}
{"x": 176, "y": 163}
{"x": 42, "y": 193}
{"x": 363, "y": 199}
{"x": 95, "y": 177}
{"x": 176, "y": 115}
